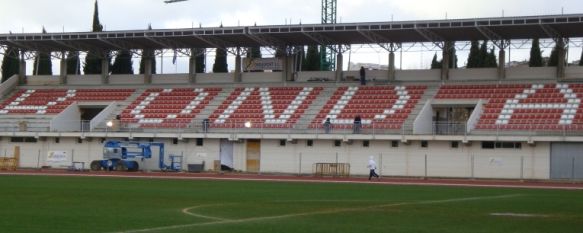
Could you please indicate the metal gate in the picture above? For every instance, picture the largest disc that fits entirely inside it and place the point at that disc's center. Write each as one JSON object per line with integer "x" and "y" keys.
{"x": 567, "y": 161}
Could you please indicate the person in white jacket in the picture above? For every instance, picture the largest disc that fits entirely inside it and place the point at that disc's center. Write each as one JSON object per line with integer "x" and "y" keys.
{"x": 372, "y": 165}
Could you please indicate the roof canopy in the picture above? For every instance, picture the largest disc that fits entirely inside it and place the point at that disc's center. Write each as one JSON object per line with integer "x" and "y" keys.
{"x": 504, "y": 28}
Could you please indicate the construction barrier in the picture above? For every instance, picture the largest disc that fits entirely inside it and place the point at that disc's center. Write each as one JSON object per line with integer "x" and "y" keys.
{"x": 332, "y": 169}
{"x": 10, "y": 163}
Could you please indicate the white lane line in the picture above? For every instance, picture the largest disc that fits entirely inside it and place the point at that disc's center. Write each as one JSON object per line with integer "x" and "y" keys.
{"x": 331, "y": 211}
{"x": 522, "y": 215}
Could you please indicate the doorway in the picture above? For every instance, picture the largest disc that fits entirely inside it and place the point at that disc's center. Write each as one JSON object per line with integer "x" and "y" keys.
{"x": 253, "y": 155}
{"x": 226, "y": 155}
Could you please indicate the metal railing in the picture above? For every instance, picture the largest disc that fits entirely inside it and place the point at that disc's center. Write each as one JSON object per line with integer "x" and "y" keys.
{"x": 373, "y": 128}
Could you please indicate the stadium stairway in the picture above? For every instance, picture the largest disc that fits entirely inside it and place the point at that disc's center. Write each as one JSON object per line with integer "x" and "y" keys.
{"x": 313, "y": 110}
{"x": 121, "y": 105}
{"x": 428, "y": 95}
{"x": 210, "y": 108}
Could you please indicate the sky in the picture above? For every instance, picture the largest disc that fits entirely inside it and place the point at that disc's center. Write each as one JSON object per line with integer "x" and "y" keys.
{"x": 76, "y": 15}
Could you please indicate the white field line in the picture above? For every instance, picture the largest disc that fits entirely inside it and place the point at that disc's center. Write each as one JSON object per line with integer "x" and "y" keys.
{"x": 330, "y": 211}
{"x": 187, "y": 211}
{"x": 275, "y": 179}
{"x": 522, "y": 215}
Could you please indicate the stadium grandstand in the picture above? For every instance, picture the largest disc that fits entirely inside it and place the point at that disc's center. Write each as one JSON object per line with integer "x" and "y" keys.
{"x": 501, "y": 122}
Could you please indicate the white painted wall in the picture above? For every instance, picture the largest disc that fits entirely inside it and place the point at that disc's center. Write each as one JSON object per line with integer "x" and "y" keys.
{"x": 531, "y": 73}
{"x": 418, "y": 75}
{"x": 475, "y": 116}
{"x": 7, "y": 86}
{"x": 473, "y": 74}
{"x": 68, "y": 120}
{"x": 260, "y": 77}
{"x": 423, "y": 123}
{"x": 126, "y": 79}
{"x": 92, "y": 79}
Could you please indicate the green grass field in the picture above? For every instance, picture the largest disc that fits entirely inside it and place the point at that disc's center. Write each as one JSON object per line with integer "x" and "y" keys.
{"x": 94, "y": 204}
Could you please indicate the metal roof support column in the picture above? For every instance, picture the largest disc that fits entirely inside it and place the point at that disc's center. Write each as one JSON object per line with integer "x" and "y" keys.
{"x": 561, "y": 54}
{"x": 192, "y": 67}
{"x": 104, "y": 69}
{"x": 339, "y": 66}
{"x": 22, "y": 68}
{"x": 237, "y": 74}
{"x": 147, "y": 55}
{"x": 446, "y": 53}
{"x": 392, "y": 48}
{"x": 63, "y": 75}
{"x": 288, "y": 67}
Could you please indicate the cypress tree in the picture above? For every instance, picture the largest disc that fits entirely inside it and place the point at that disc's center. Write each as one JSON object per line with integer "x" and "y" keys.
{"x": 554, "y": 58}
{"x": 434, "y": 63}
{"x": 73, "y": 66}
{"x": 483, "y": 60}
{"x": 123, "y": 63}
{"x": 581, "y": 59}
{"x": 536, "y": 59}
{"x": 453, "y": 59}
{"x": 252, "y": 53}
{"x": 279, "y": 54}
{"x": 474, "y": 56}
{"x": 93, "y": 60}
{"x": 147, "y": 53}
{"x": 42, "y": 63}
{"x": 312, "y": 62}
{"x": 491, "y": 61}
{"x": 301, "y": 59}
{"x": 10, "y": 63}
{"x": 220, "y": 65}
{"x": 200, "y": 60}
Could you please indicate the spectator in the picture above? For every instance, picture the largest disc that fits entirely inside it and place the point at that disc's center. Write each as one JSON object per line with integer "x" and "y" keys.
{"x": 357, "y": 124}
{"x": 362, "y": 76}
{"x": 205, "y": 125}
{"x": 327, "y": 125}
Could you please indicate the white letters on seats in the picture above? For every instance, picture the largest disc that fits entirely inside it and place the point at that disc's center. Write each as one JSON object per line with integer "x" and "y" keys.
{"x": 569, "y": 108}
{"x": 234, "y": 105}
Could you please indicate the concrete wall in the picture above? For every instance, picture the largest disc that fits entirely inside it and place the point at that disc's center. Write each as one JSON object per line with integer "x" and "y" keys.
{"x": 42, "y": 80}
{"x": 370, "y": 75}
{"x": 92, "y": 79}
{"x": 214, "y": 78}
{"x": 423, "y": 123}
{"x": 126, "y": 79}
{"x": 68, "y": 120}
{"x": 307, "y": 75}
{"x": 574, "y": 72}
{"x": 259, "y": 77}
{"x": 7, "y": 86}
{"x": 418, "y": 75}
{"x": 473, "y": 74}
{"x": 518, "y": 73}
{"x": 170, "y": 79}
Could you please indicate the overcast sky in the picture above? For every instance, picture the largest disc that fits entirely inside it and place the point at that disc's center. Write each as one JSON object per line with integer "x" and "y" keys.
{"x": 76, "y": 15}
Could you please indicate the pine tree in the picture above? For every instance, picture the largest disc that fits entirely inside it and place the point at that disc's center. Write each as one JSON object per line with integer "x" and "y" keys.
{"x": 10, "y": 63}
{"x": 123, "y": 63}
{"x": 200, "y": 60}
{"x": 312, "y": 62}
{"x": 474, "y": 56}
{"x": 73, "y": 66}
{"x": 554, "y": 58}
{"x": 434, "y": 63}
{"x": 536, "y": 59}
{"x": 93, "y": 60}
{"x": 220, "y": 65}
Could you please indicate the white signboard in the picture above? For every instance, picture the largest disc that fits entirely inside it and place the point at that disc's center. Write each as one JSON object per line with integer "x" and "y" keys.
{"x": 57, "y": 156}
{"x": 262, "y": 64}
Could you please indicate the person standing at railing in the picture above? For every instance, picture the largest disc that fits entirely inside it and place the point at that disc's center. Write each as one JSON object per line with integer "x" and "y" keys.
{"x": 327, "y": 125}
{"x": 362, "y": 76}
{"x": 357, "y": 124}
